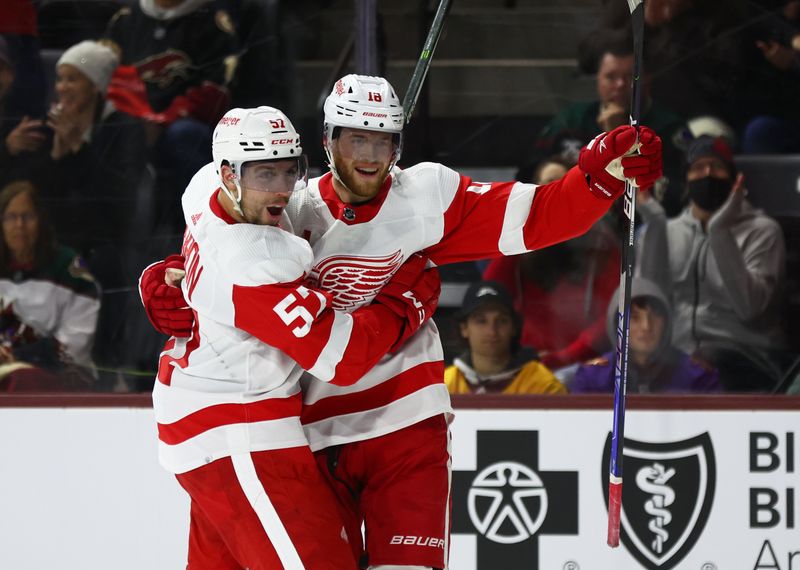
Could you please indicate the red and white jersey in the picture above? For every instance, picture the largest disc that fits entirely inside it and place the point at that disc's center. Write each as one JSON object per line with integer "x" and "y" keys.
{"x": 426, "y": 208}
{"x": 233, "y": 385}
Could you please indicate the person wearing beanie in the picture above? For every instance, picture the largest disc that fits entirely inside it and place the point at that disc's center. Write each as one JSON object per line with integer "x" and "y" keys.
{"x": 721, "y": 263}
{"x": 88, "y": 172}
{"x": 494, "y": 361}
{"x": 82, "y": 76}
{"x": 91, "y": 167}
{"x": 655, "y": 365}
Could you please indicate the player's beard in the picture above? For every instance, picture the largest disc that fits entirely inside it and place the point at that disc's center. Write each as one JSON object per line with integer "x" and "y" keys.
{"x": 360, "y": 189}
{"x": 259, "y": 214}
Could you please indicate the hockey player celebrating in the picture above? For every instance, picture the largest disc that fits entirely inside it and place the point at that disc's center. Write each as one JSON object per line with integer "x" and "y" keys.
{"x": 227, "y": 398}
{"x": 363, "y": 219}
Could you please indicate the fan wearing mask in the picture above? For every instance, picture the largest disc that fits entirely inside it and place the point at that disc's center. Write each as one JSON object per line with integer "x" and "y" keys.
{"x": 725, "y": 266}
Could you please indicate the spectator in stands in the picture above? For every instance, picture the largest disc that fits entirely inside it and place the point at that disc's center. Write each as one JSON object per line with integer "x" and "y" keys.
{"x": 266, "y": 50}
{"x": 695, "y": 60}
{"x": 19, "y": 29}
{"x": 91, "y": 167}
{"x": 775, "y": 83}
{"x": 548, "y": 170}
{"x": 49, "y": 300}
{"x": 693, "y": 56}
{"x": 176, "y": 58}
{"x": 703, "y": 125}
{"x": 90, "y": 175}
{"x": 494, "y": 361}
{"x": 721, "y": 262}
{"x": 654, "y": 365}
{"x": 562, "y": 291}
{"x": 20, "y": 135}
{"x": 7, "y": 75}
{"x": 580, "y": 122}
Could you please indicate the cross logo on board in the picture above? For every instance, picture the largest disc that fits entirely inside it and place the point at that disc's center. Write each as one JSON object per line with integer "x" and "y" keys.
{"x": 509, "y": 503}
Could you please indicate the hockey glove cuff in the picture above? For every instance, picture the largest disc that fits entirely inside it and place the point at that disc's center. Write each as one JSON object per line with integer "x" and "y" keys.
{"x": 412, "y": 294}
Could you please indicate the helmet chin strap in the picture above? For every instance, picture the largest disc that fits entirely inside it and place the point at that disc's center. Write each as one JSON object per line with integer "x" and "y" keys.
{"x": 332, "y": 166}
{"x": 238, "y": 199}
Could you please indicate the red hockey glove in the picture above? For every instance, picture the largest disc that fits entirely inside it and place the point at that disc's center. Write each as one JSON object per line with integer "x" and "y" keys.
{"x": 645, "y": 168}
{"x": 612, "y": 157}
{"x": 412, "y": 294}
{"x": 164, "y": 304}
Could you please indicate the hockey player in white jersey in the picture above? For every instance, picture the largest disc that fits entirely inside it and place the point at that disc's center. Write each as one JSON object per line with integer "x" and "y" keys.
{"x": 383, "y": 442}
{"x": 227, "y": 398}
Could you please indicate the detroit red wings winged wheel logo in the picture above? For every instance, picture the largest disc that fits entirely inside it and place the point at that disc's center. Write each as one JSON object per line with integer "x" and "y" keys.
{"x": 355, "y": 281}
{"x": 339, "y": 88}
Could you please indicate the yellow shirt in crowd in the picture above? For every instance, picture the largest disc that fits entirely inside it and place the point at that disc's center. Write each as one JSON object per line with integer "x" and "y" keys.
{"x": 533, "y": 378}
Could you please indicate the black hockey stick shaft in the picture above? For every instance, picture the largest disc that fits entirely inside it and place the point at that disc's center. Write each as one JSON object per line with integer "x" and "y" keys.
{"x": 424, "y": 62}
{"x": 624, "y": 307}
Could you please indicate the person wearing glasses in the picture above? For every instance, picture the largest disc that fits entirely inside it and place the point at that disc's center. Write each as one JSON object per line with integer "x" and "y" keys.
{"x": 49, "y": 301}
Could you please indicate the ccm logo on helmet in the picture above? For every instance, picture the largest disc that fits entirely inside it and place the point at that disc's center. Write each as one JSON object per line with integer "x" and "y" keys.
{"x": 417, "y": 541}
{"x": 282, "y": 141}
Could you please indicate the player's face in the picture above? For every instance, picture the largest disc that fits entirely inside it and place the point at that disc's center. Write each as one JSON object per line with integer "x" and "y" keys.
{"x": 75, "y": 91}
{"x": 266, "y": 188}
{"x": 362, "y": 159}
{"x": 614, "y": 79}
{"x": 647, "y": 326}
{"x": 489, "y": 332}
{"x": 21, "y": 226}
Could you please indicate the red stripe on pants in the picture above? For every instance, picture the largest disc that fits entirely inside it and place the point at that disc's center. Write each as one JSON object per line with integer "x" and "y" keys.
{"x": 227, "y": 534}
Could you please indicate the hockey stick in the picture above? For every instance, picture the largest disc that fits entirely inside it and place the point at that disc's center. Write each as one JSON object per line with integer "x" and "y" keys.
{"x": 624, "y": 307}
{"x": 424, "y": 62}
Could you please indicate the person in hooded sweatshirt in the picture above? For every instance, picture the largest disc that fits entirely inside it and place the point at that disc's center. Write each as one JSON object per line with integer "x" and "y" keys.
{"x": 655, "y": 365}
{"x": 721, "y": 263}
{"x": 494, "y": 361}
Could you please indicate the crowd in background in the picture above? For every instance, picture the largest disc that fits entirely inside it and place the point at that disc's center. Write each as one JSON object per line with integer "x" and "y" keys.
{"x": 91, "y": 173}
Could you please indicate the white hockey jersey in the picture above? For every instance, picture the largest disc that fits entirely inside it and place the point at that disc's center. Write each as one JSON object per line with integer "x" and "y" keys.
{"x": 59, "y": 299}
{"x": 233, "y": 385}
{"x": 431, "y": 209}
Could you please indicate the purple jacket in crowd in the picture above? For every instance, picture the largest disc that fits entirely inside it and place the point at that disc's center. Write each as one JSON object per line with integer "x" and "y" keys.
{"x": 668, "y": 370}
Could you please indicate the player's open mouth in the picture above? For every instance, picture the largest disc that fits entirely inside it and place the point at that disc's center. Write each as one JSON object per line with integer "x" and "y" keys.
{"x": 275, "y": 210}
{"x": 367, "y": 171}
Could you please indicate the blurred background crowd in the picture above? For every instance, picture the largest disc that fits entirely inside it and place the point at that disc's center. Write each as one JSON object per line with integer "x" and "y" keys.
{"x": 107, "y": 109}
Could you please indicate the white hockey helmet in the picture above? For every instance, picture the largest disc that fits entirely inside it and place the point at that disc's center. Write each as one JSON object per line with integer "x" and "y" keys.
{"x": 249, "y": 135}
{"x": 363, "y": 102}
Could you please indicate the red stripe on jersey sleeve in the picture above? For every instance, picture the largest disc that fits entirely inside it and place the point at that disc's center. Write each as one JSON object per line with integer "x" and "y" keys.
{"x": 375, "y": 330}
{"x": 228, "y": 414}
{"x": 292, "y": 318}
{"x": 402, "y": 385}
{"x": 562, "y": 210}
{"x": 288, "y": 316}
{"x": 473, "y": 222}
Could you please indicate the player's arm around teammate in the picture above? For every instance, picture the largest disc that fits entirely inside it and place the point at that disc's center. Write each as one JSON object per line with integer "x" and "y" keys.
{"x": 226, "y": 402}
